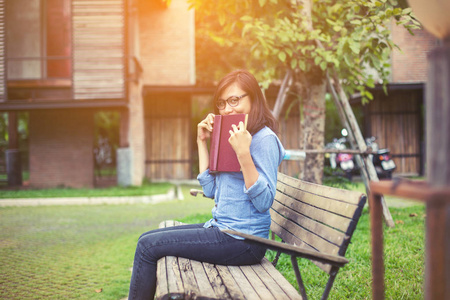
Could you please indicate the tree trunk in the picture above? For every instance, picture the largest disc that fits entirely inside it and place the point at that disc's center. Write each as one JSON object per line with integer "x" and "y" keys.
{"x": 312, "y": 88}
{"x": 312, "y": 124}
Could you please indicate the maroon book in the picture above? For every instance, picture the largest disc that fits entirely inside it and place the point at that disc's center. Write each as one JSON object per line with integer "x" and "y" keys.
{"x": 222, "y": 157}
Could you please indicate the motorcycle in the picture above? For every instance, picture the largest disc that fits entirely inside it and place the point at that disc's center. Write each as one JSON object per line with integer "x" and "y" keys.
{"x": 382, "y": 161}
{"x": 344, "y": 161}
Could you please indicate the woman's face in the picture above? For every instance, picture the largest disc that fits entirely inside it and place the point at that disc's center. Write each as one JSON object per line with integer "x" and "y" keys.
{"x": 243, "y": 106}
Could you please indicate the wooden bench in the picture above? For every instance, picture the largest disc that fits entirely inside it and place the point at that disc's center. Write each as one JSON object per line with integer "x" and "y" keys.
{"x": 314, "y": 222}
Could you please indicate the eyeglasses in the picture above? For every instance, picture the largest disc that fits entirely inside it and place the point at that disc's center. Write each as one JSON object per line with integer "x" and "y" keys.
{"x": 232, "y": 101}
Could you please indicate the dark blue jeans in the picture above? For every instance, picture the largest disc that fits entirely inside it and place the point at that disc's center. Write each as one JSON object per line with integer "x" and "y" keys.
{"x": 189, "y": 241}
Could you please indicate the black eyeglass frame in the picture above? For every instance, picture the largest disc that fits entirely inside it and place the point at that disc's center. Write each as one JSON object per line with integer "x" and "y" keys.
{"x": 221, "y": 103}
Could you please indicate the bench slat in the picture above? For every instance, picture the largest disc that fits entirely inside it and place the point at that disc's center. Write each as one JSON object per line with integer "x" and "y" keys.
{"x": 293, "y": 240}
{"x": 333, "y": 220}
{"x": 265, "y": 277}
{"x": 174, "y": 281}
{"x": 305, "y": 236}
{"x": 325, "y": 203}
{"x": 231, "y": 283}
{"x": 243, "y": 283}
{"x": 351, "y": 197}
{"x": 256, "y": 283}
{"x": 330, "y": 234}
{"x": 289, "y": 290}
{"x": 202, "y": 279}
{"x": 216, "y": 282}
{"x": 161, "y": 286}
{"x": 187, "y": 275}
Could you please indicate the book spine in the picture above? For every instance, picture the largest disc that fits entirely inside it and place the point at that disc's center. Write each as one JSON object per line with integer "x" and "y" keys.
{"x": 215, "y": 140}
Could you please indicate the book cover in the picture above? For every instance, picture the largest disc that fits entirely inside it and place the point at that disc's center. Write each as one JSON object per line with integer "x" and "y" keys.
{"x": 222, "y": 157}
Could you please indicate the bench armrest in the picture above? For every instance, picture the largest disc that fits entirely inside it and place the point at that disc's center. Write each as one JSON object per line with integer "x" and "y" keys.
{"x": 334, "y": 260}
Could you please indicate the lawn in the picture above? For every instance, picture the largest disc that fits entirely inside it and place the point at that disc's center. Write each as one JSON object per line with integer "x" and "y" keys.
{"x": 113, "y": 191}
{"x": 86, "y": 252}
{"x": 78, "y": 252}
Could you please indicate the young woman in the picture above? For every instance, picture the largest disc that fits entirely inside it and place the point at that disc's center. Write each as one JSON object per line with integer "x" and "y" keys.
{"x": 242, "y": 199}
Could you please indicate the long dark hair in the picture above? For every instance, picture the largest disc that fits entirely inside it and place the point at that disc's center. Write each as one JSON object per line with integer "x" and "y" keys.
{"x": 260, "y": 114}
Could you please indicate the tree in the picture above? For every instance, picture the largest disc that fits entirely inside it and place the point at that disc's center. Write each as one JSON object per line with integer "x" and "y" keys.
{"x": 309, "y": 40}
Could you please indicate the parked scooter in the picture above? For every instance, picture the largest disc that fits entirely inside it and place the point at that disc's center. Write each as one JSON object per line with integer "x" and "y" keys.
{"x": 343, "y": 161}
{"x": 382, "y": 161}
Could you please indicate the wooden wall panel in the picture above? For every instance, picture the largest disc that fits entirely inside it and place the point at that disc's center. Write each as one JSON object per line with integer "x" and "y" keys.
{"x": 98, "y": 49}
{"x": 289, "y": 134}
{"x": 168, "y": 137}
{"x": 395, "y": 121}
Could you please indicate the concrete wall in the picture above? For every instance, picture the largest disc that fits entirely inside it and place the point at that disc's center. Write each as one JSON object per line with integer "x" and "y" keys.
{"x": 167, "y": 43}
{"x": 61, "y": 148}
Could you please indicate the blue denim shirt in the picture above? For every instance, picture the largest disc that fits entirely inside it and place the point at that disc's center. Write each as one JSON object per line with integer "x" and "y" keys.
{"x": 240, "y": 209}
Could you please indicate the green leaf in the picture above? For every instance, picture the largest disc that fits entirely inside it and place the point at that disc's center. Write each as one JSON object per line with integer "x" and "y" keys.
{"x": 355, "y": 22}
{"x": 407, "y": 10}
{"x": 354, "y": 46}
{"x": 397, "y": 11}
{"x": 347, "y": 60}
{"x": 282, "y": 56}
{"x": 293, "y": 63}
{"x": 323, "y": 65}
{"x": 302, "y": 65}
{"x": 317, "y": 60}
{"x": 370, "y": 83}
{"x": 246, "y": 18}
{"x": 289, "y": 51}
{"x": 368, "y": 94}
{"x": 246, "y": 28}
{"x": 376, "y": 62}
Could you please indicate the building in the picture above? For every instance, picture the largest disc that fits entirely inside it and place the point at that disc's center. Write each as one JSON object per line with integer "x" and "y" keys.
{"x": 64, "y": 60}
{"x": 397, "y": 119}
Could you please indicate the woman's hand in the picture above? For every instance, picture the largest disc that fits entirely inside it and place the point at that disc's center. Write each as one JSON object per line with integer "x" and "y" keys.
{"x": 240, "y": 139}
{"x": 205, "y": 127}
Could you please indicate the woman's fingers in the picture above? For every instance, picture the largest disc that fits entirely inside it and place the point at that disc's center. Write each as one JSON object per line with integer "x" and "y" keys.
{"x": 207, "y": 123}
{"x": 238, "y": 128}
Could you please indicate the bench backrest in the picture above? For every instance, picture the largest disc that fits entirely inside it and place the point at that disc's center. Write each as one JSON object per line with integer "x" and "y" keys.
{"x": 314, "y": 216}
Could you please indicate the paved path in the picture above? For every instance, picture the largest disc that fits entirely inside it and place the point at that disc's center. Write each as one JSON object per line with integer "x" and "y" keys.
{"x": 174, "y": 193}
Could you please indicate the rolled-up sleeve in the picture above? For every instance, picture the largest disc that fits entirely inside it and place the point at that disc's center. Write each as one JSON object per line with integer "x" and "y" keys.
{"x": 208, "y": 183}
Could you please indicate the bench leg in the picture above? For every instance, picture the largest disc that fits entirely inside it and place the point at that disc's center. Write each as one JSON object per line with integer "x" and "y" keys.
{"x": 275, "y": 260}
{"x": 328, "y": 287}
{"x": 301, "y": 286}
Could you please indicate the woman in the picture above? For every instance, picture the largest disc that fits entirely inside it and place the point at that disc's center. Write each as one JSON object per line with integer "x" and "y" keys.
{"x": 242, "y": 199}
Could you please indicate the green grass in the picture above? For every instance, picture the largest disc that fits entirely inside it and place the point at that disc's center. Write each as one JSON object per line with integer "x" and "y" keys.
{"x": 70, "y": 252}
{"x": 145, "y": 189}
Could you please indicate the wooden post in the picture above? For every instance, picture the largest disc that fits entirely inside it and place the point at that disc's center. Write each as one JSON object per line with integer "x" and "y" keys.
{"x": 438, "y": 171}
{"x": 377, "y": 247}
{"x": 437, "y": 244}
{"x": 357, "y": 141}
{"x": 282, "y": 94}
{"x": 435, "y": 248}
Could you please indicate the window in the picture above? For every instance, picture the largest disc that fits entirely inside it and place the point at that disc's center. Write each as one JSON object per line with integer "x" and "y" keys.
{"x": 38, "y": 39}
